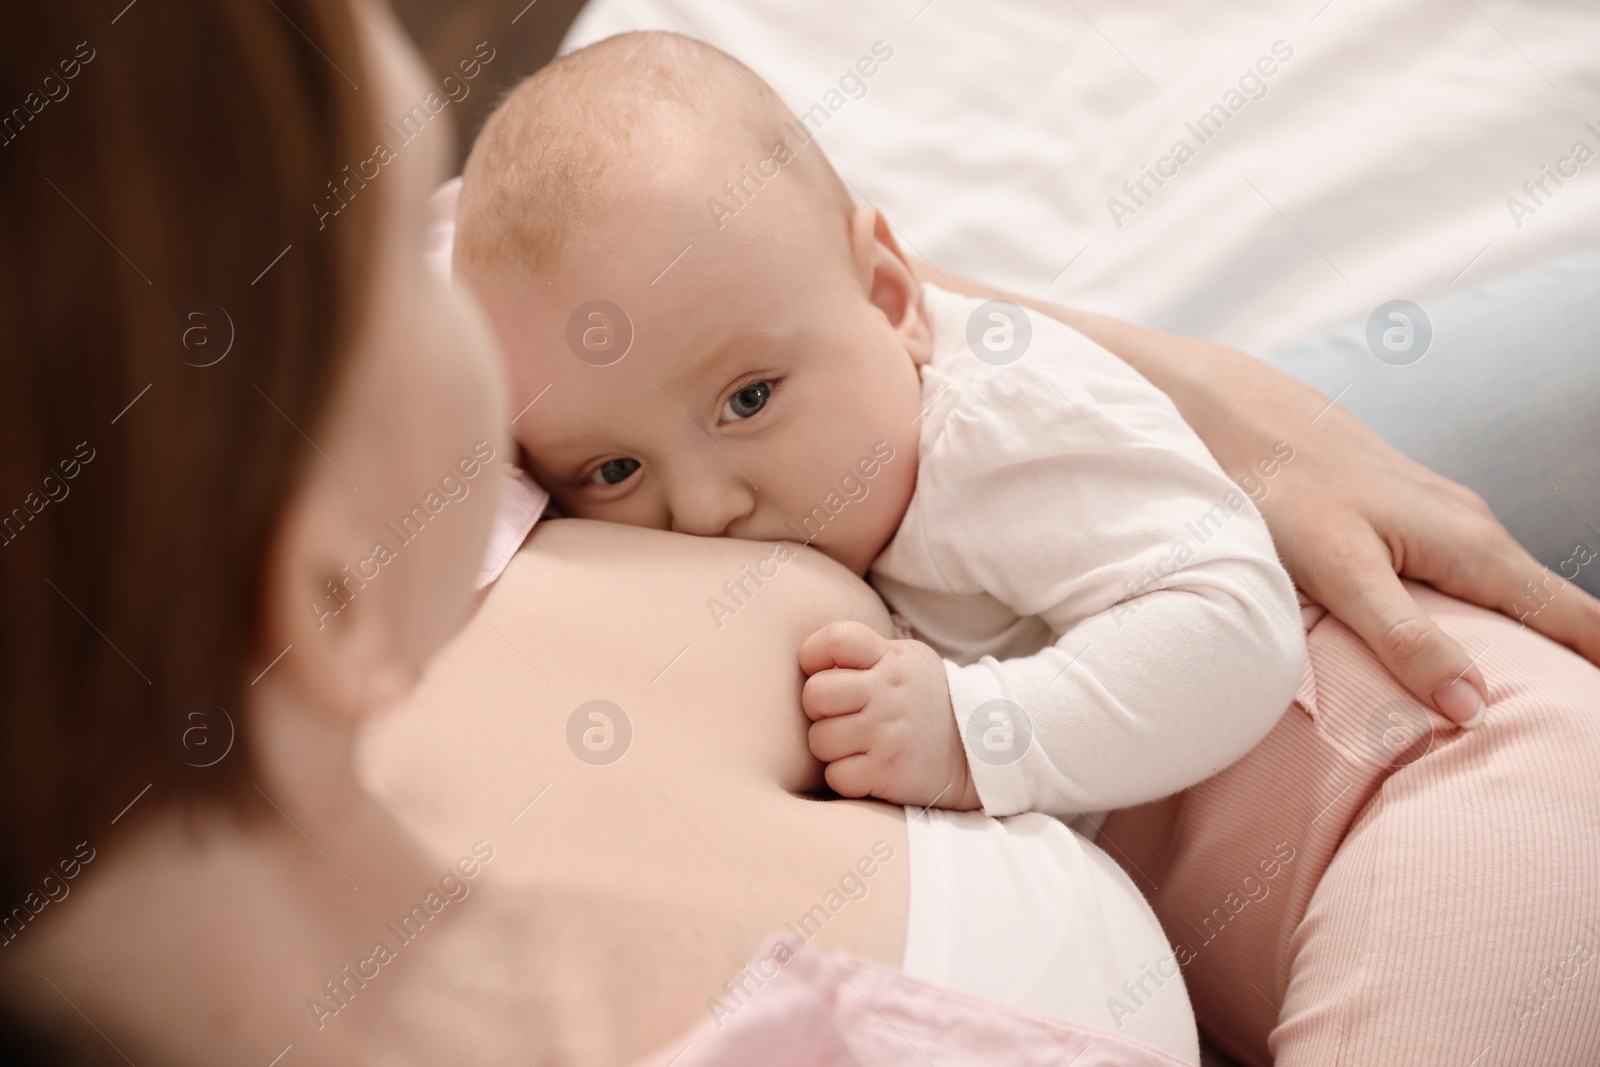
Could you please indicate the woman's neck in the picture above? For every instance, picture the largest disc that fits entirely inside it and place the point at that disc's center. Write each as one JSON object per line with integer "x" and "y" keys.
{"x": 256, "y": 931}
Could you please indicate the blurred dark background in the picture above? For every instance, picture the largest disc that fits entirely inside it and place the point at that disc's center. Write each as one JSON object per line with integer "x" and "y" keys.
{"x": 447, "y": 31}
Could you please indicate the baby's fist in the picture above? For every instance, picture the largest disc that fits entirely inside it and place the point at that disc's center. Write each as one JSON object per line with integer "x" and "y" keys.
{"x": 881, "y": 719}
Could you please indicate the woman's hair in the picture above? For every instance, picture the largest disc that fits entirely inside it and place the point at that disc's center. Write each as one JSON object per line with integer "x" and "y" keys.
{"x": 172, "y": 316}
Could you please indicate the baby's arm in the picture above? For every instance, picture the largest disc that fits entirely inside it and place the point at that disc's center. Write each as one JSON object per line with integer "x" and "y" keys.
{"x": 1070, "y": 489}
{"x": 1073, "y": 491}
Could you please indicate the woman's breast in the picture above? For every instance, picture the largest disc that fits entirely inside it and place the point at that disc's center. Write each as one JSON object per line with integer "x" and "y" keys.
{"x": 638, "y": 761}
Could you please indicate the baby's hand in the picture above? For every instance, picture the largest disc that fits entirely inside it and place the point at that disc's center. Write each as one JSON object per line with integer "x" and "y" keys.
{"x": 881, "y": 719}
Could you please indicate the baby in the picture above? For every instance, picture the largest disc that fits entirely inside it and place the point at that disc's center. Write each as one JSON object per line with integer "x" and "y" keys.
{"x": 707, "y": 335}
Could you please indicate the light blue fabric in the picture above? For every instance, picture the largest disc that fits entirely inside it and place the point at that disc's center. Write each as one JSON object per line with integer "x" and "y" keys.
{"x": 1506, "y": 400}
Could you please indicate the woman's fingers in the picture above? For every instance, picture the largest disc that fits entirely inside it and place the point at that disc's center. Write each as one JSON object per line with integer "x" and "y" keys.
{"x": 1491, "y": 569}
{"x": 1571, "y": 616}
{"x": 842, "y": 644}
{"x": 1367, "y": 595}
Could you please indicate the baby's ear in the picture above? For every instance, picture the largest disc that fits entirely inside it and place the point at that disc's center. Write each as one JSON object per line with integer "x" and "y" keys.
{"x": 888, "y": 281}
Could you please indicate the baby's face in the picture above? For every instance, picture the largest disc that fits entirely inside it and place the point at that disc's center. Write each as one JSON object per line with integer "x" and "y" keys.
{"x": 770, "y": 390}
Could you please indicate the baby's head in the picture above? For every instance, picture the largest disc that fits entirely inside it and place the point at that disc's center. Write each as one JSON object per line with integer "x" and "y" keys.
{"x": 713, "y": 337}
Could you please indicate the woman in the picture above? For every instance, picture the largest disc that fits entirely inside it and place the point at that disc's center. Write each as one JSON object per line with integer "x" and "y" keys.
{"x": 196, "y": 655}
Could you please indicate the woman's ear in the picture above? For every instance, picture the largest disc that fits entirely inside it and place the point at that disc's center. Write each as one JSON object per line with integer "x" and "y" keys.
{"x": 890, "y": 285}
{"x": 319, "y": 633}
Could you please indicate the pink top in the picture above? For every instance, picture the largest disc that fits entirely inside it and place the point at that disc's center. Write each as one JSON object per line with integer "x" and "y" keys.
{"x": 522, "y": 501}
{"x": 804, "y": 1008}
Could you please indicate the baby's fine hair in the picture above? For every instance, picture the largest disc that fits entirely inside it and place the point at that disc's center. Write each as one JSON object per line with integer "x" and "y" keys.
{"x": 578, "y": 134}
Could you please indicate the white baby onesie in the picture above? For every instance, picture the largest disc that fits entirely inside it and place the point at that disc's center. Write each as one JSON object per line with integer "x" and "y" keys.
{"x": 1114, "y": 620}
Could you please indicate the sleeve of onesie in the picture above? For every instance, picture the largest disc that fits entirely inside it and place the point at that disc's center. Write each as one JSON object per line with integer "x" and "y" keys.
{"x": 1070, "y": 488}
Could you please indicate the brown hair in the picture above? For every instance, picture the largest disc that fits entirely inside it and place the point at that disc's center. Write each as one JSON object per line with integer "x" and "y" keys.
{"x": 591, "y": 123}
{"x": 157, "y": 172}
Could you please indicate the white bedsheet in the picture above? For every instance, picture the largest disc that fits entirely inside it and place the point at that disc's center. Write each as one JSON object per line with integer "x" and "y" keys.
{"x": 1377, "y": 165}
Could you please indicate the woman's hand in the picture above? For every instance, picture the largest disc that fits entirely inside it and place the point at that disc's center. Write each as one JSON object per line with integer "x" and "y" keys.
{"x": 1351, "y": 515}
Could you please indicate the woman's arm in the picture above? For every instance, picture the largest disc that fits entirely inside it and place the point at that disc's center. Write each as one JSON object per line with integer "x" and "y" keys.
{"x": 1350, "y": 515}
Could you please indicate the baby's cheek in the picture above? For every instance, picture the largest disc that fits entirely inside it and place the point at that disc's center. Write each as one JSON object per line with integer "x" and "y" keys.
{"x": 898, "y": 482}
{"x": 636, "y": 509}
{"x": 880, "y": 512}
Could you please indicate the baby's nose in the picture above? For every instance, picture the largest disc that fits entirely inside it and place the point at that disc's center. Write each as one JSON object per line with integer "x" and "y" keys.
{"x": 707, "y": 508}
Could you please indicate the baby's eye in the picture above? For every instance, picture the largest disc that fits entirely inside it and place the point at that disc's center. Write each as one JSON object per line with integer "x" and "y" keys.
{"x": 747, "y": 401}
{"x": 613, "y": 471}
